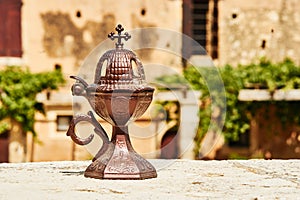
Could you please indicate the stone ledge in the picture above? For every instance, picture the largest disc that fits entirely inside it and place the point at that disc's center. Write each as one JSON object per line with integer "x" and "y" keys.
{"x": 266, "y": 95}
{"x": 177, "y": 179}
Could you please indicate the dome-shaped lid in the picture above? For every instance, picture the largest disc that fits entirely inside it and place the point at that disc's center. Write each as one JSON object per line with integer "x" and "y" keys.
{"x": 117, "y": 65}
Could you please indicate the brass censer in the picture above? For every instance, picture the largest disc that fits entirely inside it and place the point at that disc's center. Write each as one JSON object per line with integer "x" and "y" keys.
{"x": 119, "y": 97}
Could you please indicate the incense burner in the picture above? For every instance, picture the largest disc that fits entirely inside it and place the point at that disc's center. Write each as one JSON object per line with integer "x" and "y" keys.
{"x": 119, "y": 95}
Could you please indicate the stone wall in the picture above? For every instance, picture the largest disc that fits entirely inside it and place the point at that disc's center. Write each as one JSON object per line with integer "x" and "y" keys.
{"x": 252, "y": 29}
{"x": 65, "y": 32}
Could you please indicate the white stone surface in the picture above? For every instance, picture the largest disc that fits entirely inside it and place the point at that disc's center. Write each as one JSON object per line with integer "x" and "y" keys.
{"x": 265, "y": 95}
{"x": 177, "y": 179}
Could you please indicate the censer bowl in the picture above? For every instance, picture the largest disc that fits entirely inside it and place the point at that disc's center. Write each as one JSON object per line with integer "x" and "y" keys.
{"x": 120, "y": 107}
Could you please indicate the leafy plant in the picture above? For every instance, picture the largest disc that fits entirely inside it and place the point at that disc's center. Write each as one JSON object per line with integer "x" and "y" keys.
{"x": 261, "y": 75}
{"x": 18, "y": 90}
{"x": 266, "y": 74}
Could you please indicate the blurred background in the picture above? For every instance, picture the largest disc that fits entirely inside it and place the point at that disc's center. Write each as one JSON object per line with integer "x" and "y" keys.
{"x": 254, "y": 44}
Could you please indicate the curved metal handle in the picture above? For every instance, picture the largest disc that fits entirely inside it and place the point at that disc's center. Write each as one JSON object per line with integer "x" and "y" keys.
{"x": 79, "y": 88}
{"x": 97, "y": 78}
{"x": 91, "y": 119}
{"x": 81, "y": 80}
{"x": 140, "y": 68}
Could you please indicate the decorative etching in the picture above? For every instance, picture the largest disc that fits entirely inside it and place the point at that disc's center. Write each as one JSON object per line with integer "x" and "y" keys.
{"x": 121, "y": 161}
{"x": 142, "y": 105}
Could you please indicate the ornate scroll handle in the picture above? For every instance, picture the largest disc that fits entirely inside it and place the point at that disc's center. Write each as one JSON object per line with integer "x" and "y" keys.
{"x": 91, "y": 119}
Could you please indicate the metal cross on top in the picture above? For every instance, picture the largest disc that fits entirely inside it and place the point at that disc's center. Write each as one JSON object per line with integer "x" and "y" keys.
{"x": 126, "y": 36}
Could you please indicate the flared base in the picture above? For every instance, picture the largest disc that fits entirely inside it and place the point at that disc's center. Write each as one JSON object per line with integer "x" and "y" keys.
{"x": 118, "y": 160}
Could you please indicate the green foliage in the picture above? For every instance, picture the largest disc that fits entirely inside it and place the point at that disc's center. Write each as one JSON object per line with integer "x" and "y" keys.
{"x": 262, "y": 75}
{"x": 213, "y": 98}
{"x": 18, "y": 90}
{"x": 236, "y": 156}
{"x": 169, "y": 82}
{"x": 266, "y": 74}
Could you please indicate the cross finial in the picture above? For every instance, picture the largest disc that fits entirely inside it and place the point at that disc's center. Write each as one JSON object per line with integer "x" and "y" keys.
{"x": 126, "y": 36}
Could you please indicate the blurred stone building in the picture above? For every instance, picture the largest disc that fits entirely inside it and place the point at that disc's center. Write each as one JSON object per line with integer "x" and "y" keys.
{"x": 60, "y": 34}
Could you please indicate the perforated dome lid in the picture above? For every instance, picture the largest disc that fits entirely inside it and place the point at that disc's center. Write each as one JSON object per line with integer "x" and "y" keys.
{"x": 115, "y": 67}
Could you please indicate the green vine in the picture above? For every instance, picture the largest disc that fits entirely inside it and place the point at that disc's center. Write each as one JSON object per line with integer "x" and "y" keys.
{"x": 261, "y": 75}
{"x": 18, "y": 90}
